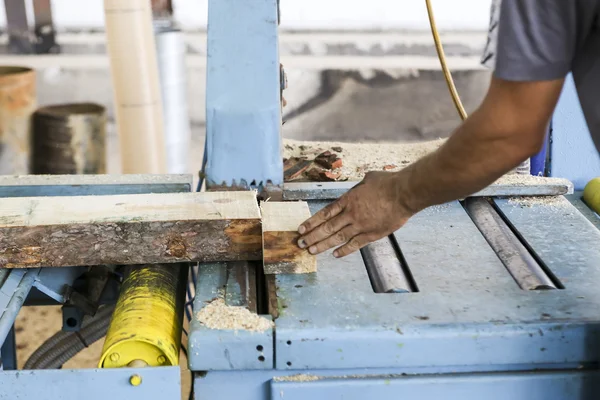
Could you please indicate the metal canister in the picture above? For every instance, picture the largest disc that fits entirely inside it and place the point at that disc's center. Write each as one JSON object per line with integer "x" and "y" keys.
{"x": 147, "y": 322}
{"x": 17, "y": 103}
{"x": 69, "y": 139}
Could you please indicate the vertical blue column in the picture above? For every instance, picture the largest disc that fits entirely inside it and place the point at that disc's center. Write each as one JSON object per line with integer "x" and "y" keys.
{"x": 573, "y": 155}
{"x": 243, "y": 105}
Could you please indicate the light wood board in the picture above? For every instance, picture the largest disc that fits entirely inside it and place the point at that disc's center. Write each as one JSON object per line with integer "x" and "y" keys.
{"x": 281, "y": 254}
{"x": 129, "y": 229}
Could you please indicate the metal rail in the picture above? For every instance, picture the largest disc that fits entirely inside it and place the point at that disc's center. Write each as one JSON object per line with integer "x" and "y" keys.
{"x": 385, "y": 269}
{"x": 517, "y": 259}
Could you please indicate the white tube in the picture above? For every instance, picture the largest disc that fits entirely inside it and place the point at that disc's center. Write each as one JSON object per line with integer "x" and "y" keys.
{"x": 170, "y": 48}
{"x": 138, "y": 103}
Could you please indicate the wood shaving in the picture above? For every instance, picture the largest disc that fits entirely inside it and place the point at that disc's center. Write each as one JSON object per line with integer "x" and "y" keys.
{"x": 544, "y": 201}
{"x": 218, "y": 315}
{"x": 297, "y": 378}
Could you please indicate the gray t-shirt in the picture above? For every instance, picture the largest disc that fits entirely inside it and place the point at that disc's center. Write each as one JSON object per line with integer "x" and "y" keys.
{"x": 545, "y": 40}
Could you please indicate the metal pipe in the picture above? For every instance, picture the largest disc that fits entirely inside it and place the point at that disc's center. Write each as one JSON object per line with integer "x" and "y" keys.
{"x": 17, "y": 103}
{"x": 138, "y": 105}
{"x": 526, "y": 271}
{"x": 69, "y": 139}
{"x": 170, "y": 52}
{"x": 384, "y": 268}
{"x": 8, "y": 352}
{"x": 9, "y": 315}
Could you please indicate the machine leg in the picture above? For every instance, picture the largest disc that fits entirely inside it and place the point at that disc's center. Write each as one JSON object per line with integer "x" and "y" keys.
{"x": 8, "y": 352}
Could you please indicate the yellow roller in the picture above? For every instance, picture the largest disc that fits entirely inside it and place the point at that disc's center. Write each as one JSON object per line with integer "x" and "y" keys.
{"x": 146, "y": 326}
{"x": 591, "y": 194}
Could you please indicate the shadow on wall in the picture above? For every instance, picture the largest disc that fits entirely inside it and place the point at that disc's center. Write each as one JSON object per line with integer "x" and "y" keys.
{"x": 383, "y": 106}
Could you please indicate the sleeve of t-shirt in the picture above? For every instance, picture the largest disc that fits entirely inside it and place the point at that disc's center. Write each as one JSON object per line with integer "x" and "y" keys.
{"x": 536, "y": 39}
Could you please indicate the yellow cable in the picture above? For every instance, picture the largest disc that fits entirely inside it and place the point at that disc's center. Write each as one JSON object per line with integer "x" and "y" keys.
{"x": 442, "y": 57}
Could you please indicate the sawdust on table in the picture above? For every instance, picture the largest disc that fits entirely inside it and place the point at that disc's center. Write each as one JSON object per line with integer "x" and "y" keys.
{"x": 218, "y": 315}
{"x": 297, "y": 378}
{"x": 360, "y": 158}
{"x": 552, "y": 202}
{"x": 530, "y": 180}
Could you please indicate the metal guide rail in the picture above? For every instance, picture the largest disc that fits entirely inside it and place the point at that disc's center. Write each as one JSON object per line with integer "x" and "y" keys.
{"x": 476, "y": 291}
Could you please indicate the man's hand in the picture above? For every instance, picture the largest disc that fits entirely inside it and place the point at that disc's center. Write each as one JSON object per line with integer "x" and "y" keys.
{"x": 371, "y": 210}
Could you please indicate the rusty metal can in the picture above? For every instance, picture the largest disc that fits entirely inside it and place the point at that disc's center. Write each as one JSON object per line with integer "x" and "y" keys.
{"x": 17, "y": 103}
{"x": 69, "y": 139}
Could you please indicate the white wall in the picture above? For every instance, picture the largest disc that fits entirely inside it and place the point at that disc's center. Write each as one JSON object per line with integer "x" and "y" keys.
{"x": 306, "y": 14}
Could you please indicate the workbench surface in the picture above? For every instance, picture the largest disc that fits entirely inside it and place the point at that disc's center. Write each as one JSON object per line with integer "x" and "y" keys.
{"x": 468, "y": 313}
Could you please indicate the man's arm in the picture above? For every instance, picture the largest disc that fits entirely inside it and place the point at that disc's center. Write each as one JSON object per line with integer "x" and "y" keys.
{"x": 508, "y": 127}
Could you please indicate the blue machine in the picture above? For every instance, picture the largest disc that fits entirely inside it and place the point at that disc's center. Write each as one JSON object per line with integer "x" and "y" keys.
{"x": 465, "y": 329}
{"x": 488, "y": 298}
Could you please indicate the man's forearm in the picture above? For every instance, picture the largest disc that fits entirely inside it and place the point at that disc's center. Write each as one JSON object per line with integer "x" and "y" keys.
{"x": 477, "y": 154}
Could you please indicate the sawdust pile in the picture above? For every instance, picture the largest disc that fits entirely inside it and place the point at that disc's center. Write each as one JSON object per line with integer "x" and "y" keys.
{"x": 530, "y": 180}
{"x": 360, "y": 158}
{"x": 297, "y": 378}
{"x": 552, "y": 202}
{"x": 218, "y": 315}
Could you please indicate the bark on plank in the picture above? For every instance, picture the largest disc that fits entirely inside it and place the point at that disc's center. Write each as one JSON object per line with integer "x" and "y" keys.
{"x": 129, "y": 229}
{"x": 281, "y": 254}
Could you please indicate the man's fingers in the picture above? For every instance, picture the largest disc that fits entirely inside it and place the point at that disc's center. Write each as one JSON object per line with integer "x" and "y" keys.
{"x": 325, "y": 230}
{"x": 355, "y": 244}
{"x": 339, "y": 238}
{"x": 323, "y": 215}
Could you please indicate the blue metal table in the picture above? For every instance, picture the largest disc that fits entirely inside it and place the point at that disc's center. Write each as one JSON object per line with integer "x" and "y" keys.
{"x": 468, "y": 331}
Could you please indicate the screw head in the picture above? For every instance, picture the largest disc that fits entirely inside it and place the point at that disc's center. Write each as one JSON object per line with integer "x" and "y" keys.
{"x": 135, "y": 380}
{"x": 114, "y": 357}
{"x": 161, "y": 360}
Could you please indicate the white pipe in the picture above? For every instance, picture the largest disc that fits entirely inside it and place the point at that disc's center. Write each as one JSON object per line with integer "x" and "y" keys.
{"x": 170, "y": 49}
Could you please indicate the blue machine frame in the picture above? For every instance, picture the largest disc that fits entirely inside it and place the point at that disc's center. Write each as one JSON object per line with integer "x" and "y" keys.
{"x": 243, "y": 94}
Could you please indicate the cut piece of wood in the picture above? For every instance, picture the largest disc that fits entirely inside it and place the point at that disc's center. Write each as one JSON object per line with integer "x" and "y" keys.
{"x": 129, "y": 229}
{"x": 281, "y": 254}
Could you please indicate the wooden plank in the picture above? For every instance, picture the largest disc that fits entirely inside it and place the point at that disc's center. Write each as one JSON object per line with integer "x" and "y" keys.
{"x": 281, "y": 254}
{"x": 129, "y": 229}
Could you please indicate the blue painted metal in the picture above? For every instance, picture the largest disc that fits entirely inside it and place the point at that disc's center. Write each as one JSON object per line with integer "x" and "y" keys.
{"x": 210, "y": 349}
{"x": 261, "y": 385}
{"x": 574, "y": 155}
{"x": 8, "y": 352}
{"x": 243, "y": 103}
{"x": 468, "y": 312}
{"x": 506, "y": 386}
{"x": 577, "y": 200}
{"x": 89, "y": 185}
{"x": 53, "y": 282}
{"x": 538, "y": 161}
{"x": 91, "y": 384}
{"x": 332, "y": 190}
{"x": 13, "y": 293}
